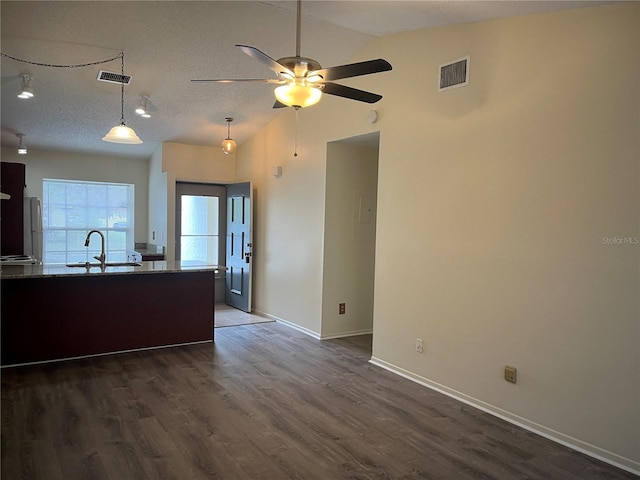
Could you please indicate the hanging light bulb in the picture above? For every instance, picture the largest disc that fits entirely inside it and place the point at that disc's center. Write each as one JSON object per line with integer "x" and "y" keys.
{"x": 121, "y": 133}
{"x": 26, "y": 91}
{"x": 228, "y": 145}
{"x": 22, "y": 149}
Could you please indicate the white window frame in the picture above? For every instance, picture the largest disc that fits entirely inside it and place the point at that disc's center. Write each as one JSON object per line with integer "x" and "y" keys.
{"x": 73, "y": 250}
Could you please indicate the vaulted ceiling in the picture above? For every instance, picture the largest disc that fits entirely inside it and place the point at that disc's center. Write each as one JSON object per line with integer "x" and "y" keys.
{"x": 168, "y": 43}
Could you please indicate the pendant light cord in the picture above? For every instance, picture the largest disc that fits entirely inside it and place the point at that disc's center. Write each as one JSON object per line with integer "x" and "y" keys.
{"x": 122, "y": 90}
{"x": 53, "y": 65}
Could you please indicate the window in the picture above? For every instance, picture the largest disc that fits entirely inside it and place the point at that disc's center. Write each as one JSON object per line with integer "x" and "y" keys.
{"x": 70, "y": 209}
{"x": 199, "y": 230}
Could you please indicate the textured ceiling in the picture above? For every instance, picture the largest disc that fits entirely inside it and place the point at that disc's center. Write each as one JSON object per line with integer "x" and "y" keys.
{"x": 167, "y": 43}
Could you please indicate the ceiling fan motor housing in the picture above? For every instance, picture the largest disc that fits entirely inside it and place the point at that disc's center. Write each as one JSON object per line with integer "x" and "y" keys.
{"x": 300, "y": 65}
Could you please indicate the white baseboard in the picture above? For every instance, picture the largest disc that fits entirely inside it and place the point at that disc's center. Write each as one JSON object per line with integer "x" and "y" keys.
{"x": 311, "y": 333}
{"x": 558, "y": 437}
{"x": 347, "y": 334}
{"x": 306, "y": 331}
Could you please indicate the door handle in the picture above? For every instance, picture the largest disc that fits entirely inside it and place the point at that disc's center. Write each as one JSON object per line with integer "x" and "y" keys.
{"x": 247, "y": 257}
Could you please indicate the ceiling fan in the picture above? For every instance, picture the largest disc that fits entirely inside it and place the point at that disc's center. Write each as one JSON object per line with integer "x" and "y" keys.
{"x": 303, "y": 80}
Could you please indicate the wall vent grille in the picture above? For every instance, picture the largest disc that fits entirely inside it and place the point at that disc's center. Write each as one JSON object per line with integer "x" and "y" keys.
{"x": 111, "y": 77}
{"x": 454, "y": 74}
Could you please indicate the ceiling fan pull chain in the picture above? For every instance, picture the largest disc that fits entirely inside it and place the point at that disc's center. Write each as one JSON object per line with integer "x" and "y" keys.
{"x": 295, "y": 150}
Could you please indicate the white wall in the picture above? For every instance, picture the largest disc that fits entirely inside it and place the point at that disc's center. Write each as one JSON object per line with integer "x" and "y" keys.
{"x": 87, "y": 167}
{"x": 349, "y": 239}
{"x": 496, "y": 203}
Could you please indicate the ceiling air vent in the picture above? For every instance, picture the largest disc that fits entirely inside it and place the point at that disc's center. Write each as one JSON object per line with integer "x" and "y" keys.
{"x": 111, "y": 77}
{"x": 454, "y": 74}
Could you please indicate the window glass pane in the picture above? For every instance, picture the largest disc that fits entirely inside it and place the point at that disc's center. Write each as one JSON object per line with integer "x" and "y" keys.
{"x": 72, "y": 208}
{"x": 76, "y": 194}
{"x": 199, "y": 215}
{"x": 117, "y": 240}
{"x": 55, "y": 240}
{"x": 201, "y": 248}
{"x": 97, "y": 194}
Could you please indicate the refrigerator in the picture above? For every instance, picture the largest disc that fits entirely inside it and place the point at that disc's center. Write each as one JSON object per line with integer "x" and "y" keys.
{"x": 33, "y": 236}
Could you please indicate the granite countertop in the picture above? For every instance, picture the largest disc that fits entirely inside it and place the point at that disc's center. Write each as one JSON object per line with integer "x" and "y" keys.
{"x": 35, "y": 271}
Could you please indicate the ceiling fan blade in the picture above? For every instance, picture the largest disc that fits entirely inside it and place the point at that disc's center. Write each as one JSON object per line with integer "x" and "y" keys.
{"x": 349, "y": 92}
{"x": 353, "y": 69}
{"x": 265, "y": 59}
{"x": 279, "y": 105}
{"x": 232, "y": 80}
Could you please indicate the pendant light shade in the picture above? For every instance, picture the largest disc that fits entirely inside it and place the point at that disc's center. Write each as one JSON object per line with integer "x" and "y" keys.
{"x": 121, "y": 133}
{"x": 228, "y": 145}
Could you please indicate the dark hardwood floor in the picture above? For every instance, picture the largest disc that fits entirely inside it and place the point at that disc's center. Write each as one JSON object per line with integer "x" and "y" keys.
{"x": 263, "y": 402}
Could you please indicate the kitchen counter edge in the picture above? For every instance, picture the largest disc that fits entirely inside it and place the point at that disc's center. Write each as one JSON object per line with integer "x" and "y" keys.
{"x": 47, "y": 271}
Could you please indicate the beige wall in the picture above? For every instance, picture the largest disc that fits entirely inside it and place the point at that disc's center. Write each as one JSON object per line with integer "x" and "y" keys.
{"x": 87, "y": 167}
{"x": 497, "y": 206}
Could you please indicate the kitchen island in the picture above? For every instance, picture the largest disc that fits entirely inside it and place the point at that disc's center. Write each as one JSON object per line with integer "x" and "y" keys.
{"x": 57, "y": 312}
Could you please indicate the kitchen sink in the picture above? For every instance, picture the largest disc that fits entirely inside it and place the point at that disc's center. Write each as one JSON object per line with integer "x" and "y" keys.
{"x": 108, "y": 264}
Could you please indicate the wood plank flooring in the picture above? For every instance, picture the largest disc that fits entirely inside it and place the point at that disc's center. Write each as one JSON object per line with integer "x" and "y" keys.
{"x": 263, "y": 402}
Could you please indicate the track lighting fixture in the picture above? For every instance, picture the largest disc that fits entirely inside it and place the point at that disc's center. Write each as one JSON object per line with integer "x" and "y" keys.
{"x": 26, "y": 91}
{"x": 228, "y": 145}
{"x": 143, "y": 106}
{"x": 121, "y": 133}
{"x": 22, "y": 149}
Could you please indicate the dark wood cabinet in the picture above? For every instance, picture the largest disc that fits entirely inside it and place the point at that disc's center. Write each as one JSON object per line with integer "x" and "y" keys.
{"x": 53, "y": 318}
{"x": 12, "y": 182}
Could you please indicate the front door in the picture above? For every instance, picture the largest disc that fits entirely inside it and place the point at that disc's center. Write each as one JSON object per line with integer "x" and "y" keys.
{"x": 239, "y": 245}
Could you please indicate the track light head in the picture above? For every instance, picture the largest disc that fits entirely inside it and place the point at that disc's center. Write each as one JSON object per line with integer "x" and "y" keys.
{"x": 143, "y": 106}
{"x": 22, "y": 149}
{"x": 26, "y": 91}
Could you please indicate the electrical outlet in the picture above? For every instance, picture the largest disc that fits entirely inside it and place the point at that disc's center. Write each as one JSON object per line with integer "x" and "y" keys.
{"x": 510, "y": 374}
{"x": 342, "y": 308}
{"x": 419, "y": 345}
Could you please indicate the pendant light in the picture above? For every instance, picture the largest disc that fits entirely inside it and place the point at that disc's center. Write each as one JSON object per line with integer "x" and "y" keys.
{"x": 228, "y": 145}
{"x": 22, "y": 149}
{"x": 121, "y": 133}
{"x": 26, "y": 91}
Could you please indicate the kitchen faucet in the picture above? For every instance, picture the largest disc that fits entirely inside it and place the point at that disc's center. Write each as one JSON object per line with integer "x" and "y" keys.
{"x": 103, "y": 256}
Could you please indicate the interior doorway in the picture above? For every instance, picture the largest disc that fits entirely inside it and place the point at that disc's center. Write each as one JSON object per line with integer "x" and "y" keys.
{"x": 350, "y": 236}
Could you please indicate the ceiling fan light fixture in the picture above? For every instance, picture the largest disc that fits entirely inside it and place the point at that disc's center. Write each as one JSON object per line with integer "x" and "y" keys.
{"x": 298, "y": 95}
{"x": 122, "y": 134}
{"x": 228, "y": 145}
{"x": 27, "y": 88}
